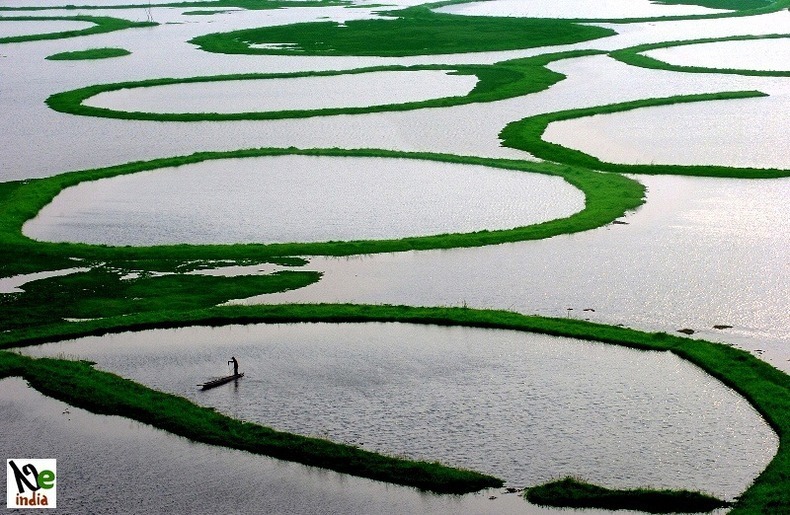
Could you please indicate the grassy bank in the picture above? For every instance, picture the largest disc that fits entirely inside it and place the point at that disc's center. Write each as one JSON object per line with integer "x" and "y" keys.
{"x": 101, "y": 24}
{"x": 499, "y": 81}
{"x": 91, "y": 53}
{"x": 78, "y": 384}
{"x": 413, "y": 31}
{"x": 571, "y": 493}
{"x": 765, "y": 387}
{"x": 635, "y": 57}
{"x": 526, "y": 134}
{"x": 607, "y": 197}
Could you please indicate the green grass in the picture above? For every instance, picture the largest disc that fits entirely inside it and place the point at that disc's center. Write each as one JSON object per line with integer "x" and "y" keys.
{"x": 102, "y": 24}
{"x": 526, "y": 134}
{"x": 572, "y": 493}
{"x": 91, "y": 53}
{"x": 607, "y": 197}
{"x": 103, "y": 292}
{"x": 635, "y": 57}
{"x": 414, "y": 31}
{"x": 500, "y": 81}
{"x": 765, "y": 387}
{"x": 78, "y": 384}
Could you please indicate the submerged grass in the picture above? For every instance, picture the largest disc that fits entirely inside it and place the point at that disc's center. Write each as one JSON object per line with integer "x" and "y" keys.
{"x": 102, "y": 24}
{"x": 499, "y": 81}
{"x": 526, "y": 134}
{"x": 765, "y": 387}
{"x": 572, "y": 493}
{"x": 105, "y": 292}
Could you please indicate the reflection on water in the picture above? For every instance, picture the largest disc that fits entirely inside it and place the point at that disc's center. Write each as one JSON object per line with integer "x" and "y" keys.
{"x": 700, "y": 252}
{"x": 524, "y": 407}
{"x": 742, "y": 133}
{"x": 29, "y": 27}
{"x": 605, "y": 9}
{"x": 155, "y": 472}
{"x": 242, "y": 96}
{"x": 760, "y": 54}
{"x": 301, "y": 198}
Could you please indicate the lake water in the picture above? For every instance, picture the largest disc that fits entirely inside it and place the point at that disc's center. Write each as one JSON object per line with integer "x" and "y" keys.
{"x": 29, "y": 27}
{"x": 686, "y": 134}
{"x": 301, "y": 198}
{"x": 701, "y": 252}
{"x": 527, "y": 408}
{"x": 240, "y": 96}
{"x": 607, "y": 9}
{"x": 167, "y": 474}
{"x": 758, "y": 54}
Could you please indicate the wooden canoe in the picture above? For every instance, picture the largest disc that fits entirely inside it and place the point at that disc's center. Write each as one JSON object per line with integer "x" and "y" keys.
{"x": 219, "y": 381}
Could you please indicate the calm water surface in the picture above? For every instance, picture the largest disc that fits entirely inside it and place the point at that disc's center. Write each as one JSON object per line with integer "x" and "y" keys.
{"x": 162, "y": 473}
{"x": 607, "y": 9}
{"x": 761, "y": 54}
{"x": 240, "y": 96}
{"x": 28, "y": 27}
{"x": 301, "y": 198}
{"x": 684, "y": 134}
{"x": 701, "y": 252}
{"x": 527, "y": 408}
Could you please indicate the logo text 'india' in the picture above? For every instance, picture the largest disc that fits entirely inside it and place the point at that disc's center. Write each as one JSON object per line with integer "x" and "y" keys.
{"x": 30, "y": 483}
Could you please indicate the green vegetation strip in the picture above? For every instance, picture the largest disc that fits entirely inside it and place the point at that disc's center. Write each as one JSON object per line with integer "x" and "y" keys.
{"x": 78, "y": 384}
{"x": 572, "y": 493}
{"x": 500, "y": 81}
{"x": 106, "y": 292}
{"x": 101, "y": 24}
{"x": 607, "y": 197}
{"x": 765, "y": 387}
{"x": 526, "y": 134}
{"x": 91, "y": 53}
{"x": 635, "y": 57}
{"x": 414, "y": 31}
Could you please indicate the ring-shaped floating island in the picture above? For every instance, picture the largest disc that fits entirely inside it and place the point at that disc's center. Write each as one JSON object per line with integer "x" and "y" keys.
{"x": 527, "y": 134}
{"x": 507, "y": 79}
{"x": 635, "y": 56}
{"x": 306, "y": 199}
{"x": 607, "y": 197}
{"x": 77, "y": 383}
{"x": 101, "y": 24}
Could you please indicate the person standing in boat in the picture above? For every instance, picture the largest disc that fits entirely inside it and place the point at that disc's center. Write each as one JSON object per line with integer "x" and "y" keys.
{"x": 235, "y": 365}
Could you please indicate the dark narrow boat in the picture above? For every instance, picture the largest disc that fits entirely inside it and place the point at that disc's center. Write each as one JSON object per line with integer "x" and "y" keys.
{"x": 219, "y": 381}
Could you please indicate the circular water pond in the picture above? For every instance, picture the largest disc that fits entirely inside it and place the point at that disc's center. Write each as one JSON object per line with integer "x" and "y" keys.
{"x": 301, "y": 198}
{"x": 281, "y": 94}
{"x": 524, "y": 407}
